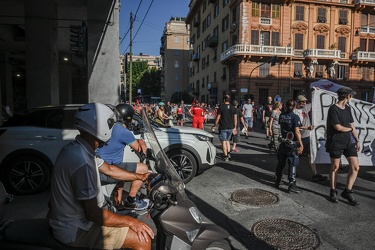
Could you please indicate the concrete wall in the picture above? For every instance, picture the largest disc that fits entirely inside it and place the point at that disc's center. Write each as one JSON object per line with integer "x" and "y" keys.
{"x": 104, "y": 81}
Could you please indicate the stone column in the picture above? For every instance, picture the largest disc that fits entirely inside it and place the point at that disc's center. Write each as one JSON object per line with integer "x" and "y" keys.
{"x": 42, "y": 66}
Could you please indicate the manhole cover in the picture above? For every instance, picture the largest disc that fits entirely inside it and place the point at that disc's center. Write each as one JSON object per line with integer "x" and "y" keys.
{"x": 285, "y": 234}
{"x": 254, "y": 197}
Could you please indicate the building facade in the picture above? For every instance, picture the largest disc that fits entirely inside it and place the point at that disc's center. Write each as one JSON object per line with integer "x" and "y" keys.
{"x": 152, "y": 62}
{"x": 58, "y": 52}
{"x": 234, "y": 44}
{"x": 174, "y": 51}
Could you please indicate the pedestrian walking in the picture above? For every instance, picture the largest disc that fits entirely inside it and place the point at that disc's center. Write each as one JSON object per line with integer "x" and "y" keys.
{"x": 180, "y": 119}
{"x": 342, "y": 139}
{"x": 240, "y": 120}
{"x": 227, "y": 120}
{"x": 196, "y": 111}
{"x": 275, "y": 126}
{"x": 291, "y": 146}
{"x": 248, "y": 113}
{"x": 266, "y": 115}
{"x": 304, "y": 111}
{"x": 183, "y": 112}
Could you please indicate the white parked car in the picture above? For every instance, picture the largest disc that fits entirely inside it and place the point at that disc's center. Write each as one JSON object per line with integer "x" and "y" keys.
{"x": 31, "y": 142}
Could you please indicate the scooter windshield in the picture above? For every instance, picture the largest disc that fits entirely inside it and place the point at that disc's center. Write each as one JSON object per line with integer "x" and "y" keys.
{"x": 162, "y": 162}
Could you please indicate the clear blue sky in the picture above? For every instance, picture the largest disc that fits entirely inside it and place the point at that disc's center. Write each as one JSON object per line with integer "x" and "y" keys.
{"x": 147, "y": 40}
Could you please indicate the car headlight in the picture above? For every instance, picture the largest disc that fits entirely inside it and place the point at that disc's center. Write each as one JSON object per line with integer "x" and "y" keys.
{"x": 202, "y": 137}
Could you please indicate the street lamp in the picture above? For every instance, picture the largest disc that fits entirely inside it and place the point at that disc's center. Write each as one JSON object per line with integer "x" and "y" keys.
{"x": 272, "y": 60}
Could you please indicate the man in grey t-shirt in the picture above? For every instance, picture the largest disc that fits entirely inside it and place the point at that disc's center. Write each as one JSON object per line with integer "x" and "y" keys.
{"x": 77, "y": 216}
{"x": 248, "y": 116}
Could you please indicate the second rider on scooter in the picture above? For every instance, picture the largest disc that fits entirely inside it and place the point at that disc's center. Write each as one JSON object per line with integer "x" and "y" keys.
{"x": 113, "y": 153}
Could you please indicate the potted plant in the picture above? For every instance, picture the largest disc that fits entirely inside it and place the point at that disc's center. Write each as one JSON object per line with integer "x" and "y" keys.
{"x": 334, "y": 46}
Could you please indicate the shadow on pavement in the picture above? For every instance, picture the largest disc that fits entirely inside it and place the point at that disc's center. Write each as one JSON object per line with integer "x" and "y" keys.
{"x": 236, "y": 230}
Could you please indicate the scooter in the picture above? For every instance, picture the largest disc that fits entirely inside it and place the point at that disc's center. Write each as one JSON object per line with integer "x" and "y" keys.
{"x": 178, "y": 221}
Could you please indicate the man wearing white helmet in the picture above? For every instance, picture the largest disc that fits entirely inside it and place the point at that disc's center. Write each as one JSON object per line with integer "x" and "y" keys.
{"x": 76, "y": 218}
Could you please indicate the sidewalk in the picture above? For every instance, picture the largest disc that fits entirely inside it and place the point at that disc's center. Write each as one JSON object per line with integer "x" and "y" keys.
{"x": 337, "y": 226}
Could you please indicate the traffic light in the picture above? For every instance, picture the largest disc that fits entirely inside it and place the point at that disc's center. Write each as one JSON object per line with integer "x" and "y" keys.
{"x": 78, "y": 39}
{"x": 273, "y": 61}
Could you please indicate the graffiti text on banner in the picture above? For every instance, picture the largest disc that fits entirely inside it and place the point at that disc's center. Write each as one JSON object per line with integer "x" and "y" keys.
{"x": 364, "y": 121}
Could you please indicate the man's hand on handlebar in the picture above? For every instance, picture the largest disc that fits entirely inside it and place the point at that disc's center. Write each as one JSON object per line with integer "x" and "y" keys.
{"x": 142, "y": 177}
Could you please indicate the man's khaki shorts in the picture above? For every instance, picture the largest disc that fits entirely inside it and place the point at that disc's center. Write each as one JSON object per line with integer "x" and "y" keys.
{"x": 101, "y": 237}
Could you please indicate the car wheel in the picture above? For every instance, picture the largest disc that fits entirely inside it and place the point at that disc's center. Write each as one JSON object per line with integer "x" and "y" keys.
{"x": 185, "y": 164}
{"x": 26, "y": 175}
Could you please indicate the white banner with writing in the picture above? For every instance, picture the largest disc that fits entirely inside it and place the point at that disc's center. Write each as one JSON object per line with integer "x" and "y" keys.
{"x": 364, "y": 120}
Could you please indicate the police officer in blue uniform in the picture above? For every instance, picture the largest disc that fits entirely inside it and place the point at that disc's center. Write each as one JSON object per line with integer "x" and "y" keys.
{"x": 291, "y": 146}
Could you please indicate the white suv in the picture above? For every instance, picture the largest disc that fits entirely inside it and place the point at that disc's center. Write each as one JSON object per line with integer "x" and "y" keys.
{"x": 30, "y": 144}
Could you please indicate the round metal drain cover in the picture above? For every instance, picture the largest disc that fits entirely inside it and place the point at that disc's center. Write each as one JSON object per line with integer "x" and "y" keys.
{"x": 285, "y": 234}
{"x": 254, "y": 197}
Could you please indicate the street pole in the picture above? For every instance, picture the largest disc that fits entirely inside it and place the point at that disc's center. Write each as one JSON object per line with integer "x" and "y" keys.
{"x": 273, "y": 63}
{"x": 131, "y": 60}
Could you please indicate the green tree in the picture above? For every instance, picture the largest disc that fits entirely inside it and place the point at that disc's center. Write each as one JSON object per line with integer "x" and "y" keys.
{"x": 150, "y": 83}
{"x": 138, "y": 69}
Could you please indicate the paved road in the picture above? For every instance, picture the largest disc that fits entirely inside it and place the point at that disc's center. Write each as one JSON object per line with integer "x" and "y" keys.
{"x": 339, "y": 226}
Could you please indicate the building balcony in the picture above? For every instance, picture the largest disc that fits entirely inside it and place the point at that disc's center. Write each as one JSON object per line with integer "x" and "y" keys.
{"x": 368, "y": 29}
{"x": 213, "y": 41}
{"x": 195, "y": 57}
{"x": 364, "y": 2}
{"x": 322, "y": 53}
{"x": 246, "y": 49}
{"x": 363, "y": 56}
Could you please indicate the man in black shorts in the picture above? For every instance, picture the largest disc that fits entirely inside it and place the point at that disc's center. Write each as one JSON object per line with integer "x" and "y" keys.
{"x": 342, "y": 139}
{"x": 227, "y": 119}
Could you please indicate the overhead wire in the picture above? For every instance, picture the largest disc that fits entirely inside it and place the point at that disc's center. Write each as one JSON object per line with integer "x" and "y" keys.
{"x": 135, "y": 16}
{"x": 149, "y": 7}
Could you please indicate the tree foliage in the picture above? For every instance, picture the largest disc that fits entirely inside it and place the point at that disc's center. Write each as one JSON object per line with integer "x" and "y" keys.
{"x": 139, "y": 68}
{"x": 150, "y": 83}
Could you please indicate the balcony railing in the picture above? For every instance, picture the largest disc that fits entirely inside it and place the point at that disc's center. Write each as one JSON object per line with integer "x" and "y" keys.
{"x": 322, "y": 53}
{"x": 368, "y": 29}
{"x": 265, "y": 20}
{"x": 372, "y": 2}
{"x": 246, "y": 49}
{"x": 363, "y": 55}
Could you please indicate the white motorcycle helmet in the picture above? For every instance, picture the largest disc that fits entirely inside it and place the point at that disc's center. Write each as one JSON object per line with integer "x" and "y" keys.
{"x": 96, "y": 119}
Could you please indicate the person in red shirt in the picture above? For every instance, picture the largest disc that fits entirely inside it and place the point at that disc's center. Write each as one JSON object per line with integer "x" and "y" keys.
{"x": 180, "y": 119}
{"x": 196, "y": 112}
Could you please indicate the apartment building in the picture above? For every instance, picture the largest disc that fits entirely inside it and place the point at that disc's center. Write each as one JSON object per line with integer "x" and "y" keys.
{"x": 234, "y": 44}
{"x": 152, "y": 62}
{"x": 174, "y": 51}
